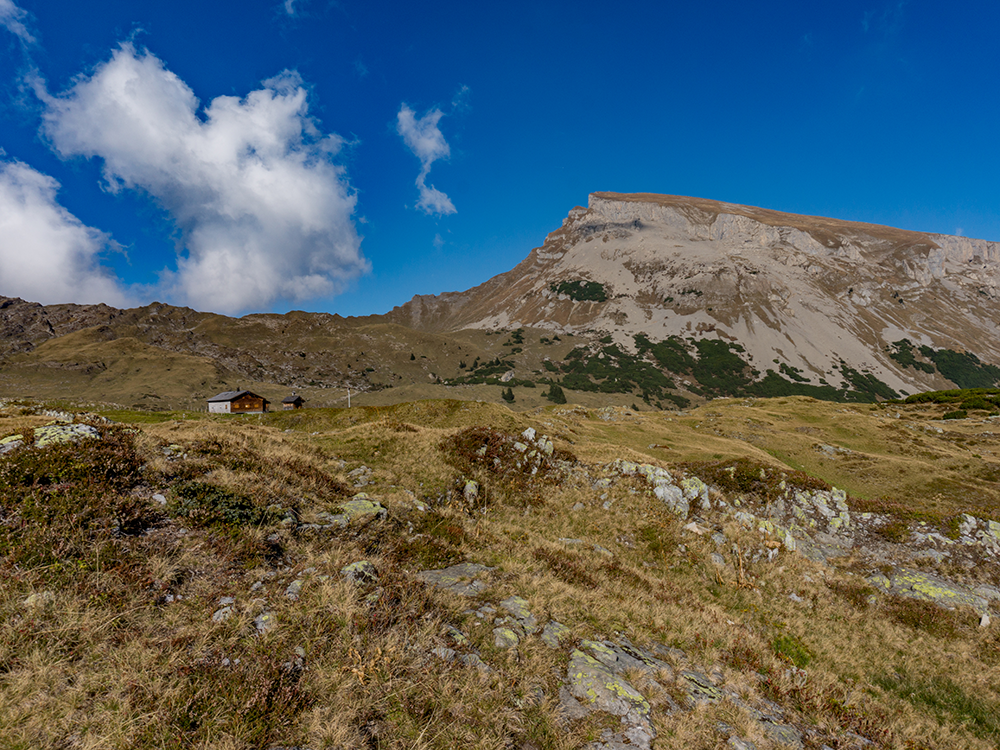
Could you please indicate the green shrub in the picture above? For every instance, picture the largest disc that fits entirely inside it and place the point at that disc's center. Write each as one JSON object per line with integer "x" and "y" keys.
{"x": 206, "y": 504}
{"x": 902, "y": 352}
{"x": 896, "y": 530}
{"x": 964, "y": 369}
{"x": 581, "y": 291}
{"x": 978, "y": 402}
{"x": 555, "y": 394}
{"x": 748, "y": 477}
{"x": 928, "y": 616}
{"x": 61, "y": 502}
{"x": 957, "y": 414}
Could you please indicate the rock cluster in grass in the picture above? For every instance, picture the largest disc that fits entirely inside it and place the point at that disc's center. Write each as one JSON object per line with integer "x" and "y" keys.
{"x": 819, "y": 525}
{"x": 601, "y": 675}
{"x": 51, "y": 434}
{"x": 357, "y": 511}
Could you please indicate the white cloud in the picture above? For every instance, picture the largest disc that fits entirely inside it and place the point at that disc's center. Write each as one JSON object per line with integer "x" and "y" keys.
{"x": 265, "y": 214}
{"x": 48, "y": 255}
{"x": 423, "y": 137}
{"x": 290, "y": 7}
{"x": 12, "y": 18}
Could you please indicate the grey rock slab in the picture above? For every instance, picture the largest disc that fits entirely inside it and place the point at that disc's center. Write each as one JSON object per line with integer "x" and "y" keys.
{"x": 518, "y": 607}
{"x": 504, "y": 637}
{"x": 8, "y": 446}
{"x": 596, "y": 685}
{"x": 68, "y": 433}
{"x": 700, "y": 688}
{"x": 446, "y": 654}
{"x": 362, "y": 571}
{"x": 554, "y": 633}
{"x": 471, "y": 491}
{"x": 461, "y": 579}
{"x": 666, "y": 652}
{"x": 624, "y": 655}
{"x": 569, "y": 706}
{"x": 264, "y": 622}
{"x": 469, "y": 660}
{"x": 673, "y": 497}
{"x": 916, "y": 584}
{"x": 473, "y": 660}
{"x": 39, "y": 599}
{"x": 359, "y": 509}
{"x": 783, "y": 734}
{"x": 221, "y": 615}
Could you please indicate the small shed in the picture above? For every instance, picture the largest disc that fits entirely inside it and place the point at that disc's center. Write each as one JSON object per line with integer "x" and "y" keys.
{"x": 237, "y": 402}
{"x": 292, "y": 402}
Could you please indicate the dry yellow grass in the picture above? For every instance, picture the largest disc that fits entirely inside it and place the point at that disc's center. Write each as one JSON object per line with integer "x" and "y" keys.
{"x": 126, "y": 654}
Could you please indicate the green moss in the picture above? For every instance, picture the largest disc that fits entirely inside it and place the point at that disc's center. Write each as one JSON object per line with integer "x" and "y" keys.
{"x": 945, "y": 700}
{"x": 792, "y": 649}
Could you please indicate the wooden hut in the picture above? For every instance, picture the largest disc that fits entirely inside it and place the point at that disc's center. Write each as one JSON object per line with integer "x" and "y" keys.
{"x": 237, "y": 402}
{"x": 292, "y": 402}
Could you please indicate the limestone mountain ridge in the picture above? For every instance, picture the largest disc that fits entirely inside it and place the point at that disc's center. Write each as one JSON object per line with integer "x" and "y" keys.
{"x": 806, "y": 291}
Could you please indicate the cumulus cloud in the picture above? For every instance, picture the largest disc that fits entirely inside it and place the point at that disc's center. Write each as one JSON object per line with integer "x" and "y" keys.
{"x": 265, "y": 214}
{"x": 47, "y": 254}
{"x": 423, "y": 137}
{"x": 12, "y": 18}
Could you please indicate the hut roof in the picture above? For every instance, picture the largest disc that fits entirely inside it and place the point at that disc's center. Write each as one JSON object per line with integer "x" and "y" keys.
{"x": 232, "y": 396}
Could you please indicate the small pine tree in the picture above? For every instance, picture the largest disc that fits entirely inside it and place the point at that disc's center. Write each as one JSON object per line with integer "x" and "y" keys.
{"x": 555, "y": 394}
{"x": 508, "y": 396}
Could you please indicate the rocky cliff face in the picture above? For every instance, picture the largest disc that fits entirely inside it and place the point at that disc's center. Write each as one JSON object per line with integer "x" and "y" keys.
{"x": 799, "y": 291}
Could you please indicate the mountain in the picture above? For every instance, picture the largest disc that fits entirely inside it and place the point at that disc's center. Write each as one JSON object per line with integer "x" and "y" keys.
{"x": 805, "y": 293}
{"x": 638, "y": 297}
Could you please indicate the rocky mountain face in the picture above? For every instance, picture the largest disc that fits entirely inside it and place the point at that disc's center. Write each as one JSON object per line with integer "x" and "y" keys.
{"x": 801, "y": 292}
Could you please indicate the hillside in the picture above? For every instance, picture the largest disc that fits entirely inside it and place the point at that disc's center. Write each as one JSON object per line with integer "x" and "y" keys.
{"x": 767, "y": 573}
{"x": 651, "y": 300}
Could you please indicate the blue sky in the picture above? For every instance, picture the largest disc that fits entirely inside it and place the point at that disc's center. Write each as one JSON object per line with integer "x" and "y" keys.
{"x": 344, "y": 156}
